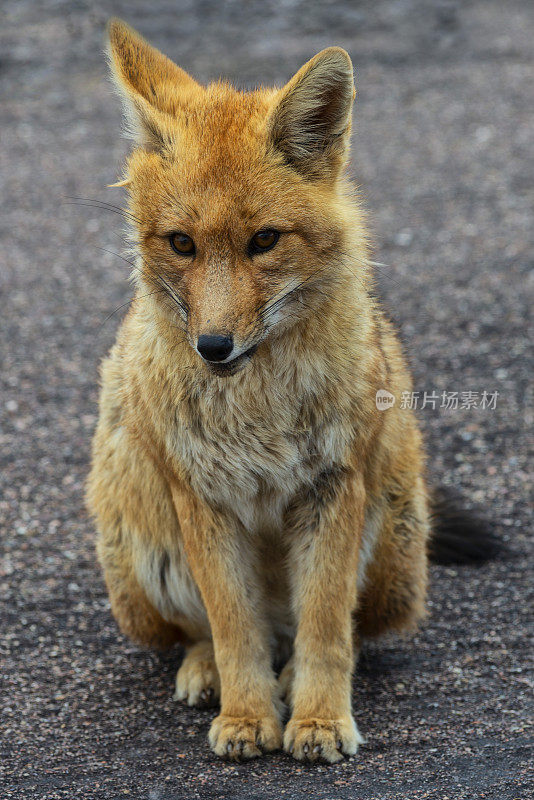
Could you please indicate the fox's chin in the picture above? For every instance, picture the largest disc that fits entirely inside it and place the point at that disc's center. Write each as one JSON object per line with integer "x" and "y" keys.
{"x": 230, "y": 368}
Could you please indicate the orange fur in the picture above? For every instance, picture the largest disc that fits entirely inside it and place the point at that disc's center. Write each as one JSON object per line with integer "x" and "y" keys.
{"x": 261, "y": 506}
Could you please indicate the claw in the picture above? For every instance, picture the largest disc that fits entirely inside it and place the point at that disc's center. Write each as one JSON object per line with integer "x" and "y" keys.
{"x": 230, "y": 747}
{"x": 306, "y": 748}
{"x": 317, "y": 748}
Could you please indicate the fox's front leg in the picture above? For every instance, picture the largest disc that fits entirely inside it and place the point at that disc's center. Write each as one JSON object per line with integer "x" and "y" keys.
{"x": 249, "y": 721}
{"x": 326, "y": 530}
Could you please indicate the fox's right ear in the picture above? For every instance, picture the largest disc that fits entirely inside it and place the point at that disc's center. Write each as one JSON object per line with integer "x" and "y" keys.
{"x": 153, "y": 88}
{"x": 310, "y": 123}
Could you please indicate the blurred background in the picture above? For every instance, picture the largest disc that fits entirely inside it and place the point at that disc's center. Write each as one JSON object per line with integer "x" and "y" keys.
{"x": 442, "y": 151}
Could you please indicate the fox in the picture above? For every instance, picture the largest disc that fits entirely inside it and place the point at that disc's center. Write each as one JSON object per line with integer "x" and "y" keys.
{"x": 253, "y": 502}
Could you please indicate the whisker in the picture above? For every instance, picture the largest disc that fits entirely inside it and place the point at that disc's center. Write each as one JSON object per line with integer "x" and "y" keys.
{"x": 379, "y": 268}
{"x": 155, "y": 279}
{"x": 264, "y": 308}
{"x": 96, "y": 203}
{"x": 128, "y": 303}
{"x": 113, "y": 253}
{"x": 278, "y": 303}
{"x": 182, "y": 305}
{"x": 102, "y": 208}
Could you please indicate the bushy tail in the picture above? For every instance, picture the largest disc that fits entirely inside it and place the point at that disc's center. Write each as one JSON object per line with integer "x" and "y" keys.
{"x": 460, "y": 536}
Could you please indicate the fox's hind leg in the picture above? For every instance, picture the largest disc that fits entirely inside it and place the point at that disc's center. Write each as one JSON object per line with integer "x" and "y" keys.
{"x": 197, "y": 681}
{"x": 152, "y": 593}
{"x": 136, "y": 616}
{"x": 285, "y": 681}
{"x": 394, "y": 586}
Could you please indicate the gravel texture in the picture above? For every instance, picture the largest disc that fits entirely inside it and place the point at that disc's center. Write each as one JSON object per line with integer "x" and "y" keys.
{"x": 443, "y": 152}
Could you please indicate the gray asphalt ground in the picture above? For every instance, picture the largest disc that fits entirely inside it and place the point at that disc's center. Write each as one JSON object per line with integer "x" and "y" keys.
{"x": 444, "y": 124}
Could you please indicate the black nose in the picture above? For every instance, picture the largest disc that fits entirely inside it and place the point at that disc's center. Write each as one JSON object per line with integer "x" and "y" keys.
{"x": 213, "y": 347}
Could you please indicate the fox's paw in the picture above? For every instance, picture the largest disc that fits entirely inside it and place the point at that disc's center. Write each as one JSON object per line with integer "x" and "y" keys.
{"x": 197, "y": 681}
{"x": 240, "y": 738}
{"x": 321, "y": 739}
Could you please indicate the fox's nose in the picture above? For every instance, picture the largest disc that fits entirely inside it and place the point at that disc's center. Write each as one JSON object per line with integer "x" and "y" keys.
{"x": 214, "y": 347}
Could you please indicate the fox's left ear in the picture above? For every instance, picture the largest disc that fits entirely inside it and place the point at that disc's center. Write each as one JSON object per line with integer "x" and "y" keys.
{"x": 152, "y": 86}
{"x": 310, "y": 123}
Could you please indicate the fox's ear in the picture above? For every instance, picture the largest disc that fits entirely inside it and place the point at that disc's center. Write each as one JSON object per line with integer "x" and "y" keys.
{"x": 151, "y": 85}
{"x": 310, "y": 123}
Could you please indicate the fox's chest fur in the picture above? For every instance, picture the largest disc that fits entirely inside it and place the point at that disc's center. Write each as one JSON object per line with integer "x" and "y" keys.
{"x": 251, "y": 458}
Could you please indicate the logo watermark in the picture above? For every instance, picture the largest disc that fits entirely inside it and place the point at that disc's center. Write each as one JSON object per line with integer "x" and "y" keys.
{"x": 384, "y": 400}
{"x": 449, "y": 401}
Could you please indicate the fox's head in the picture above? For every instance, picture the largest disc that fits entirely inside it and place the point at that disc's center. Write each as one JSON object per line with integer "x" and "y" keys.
{"x": 237, "y": 198}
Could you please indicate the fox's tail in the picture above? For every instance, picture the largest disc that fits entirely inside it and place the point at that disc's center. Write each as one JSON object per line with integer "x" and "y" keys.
{"x": 460, "y": 536}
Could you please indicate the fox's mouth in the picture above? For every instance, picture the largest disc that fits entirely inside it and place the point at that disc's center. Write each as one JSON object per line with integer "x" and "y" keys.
{"x": 228, "y": 368}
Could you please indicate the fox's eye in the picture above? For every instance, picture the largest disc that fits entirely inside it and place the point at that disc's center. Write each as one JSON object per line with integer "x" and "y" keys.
{"x": 182, "y": 244}
{"x": 263, "y": 240}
